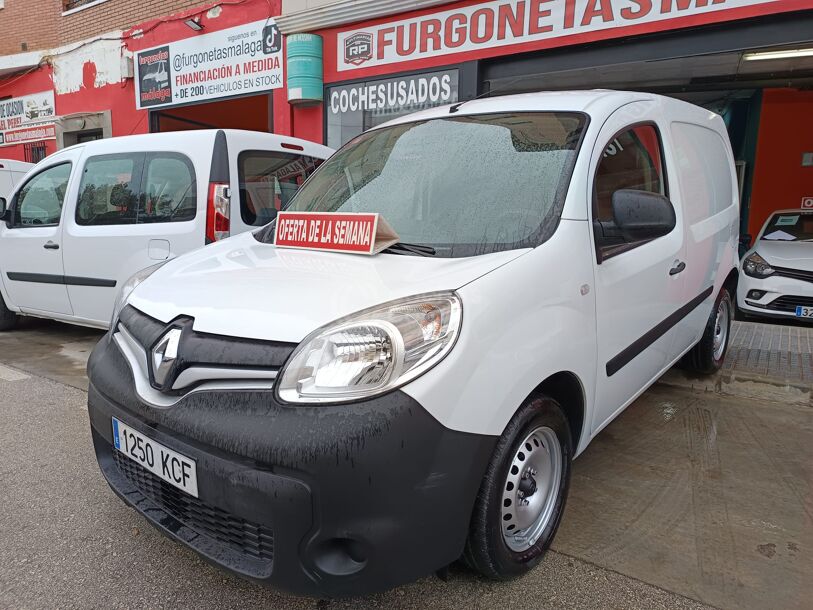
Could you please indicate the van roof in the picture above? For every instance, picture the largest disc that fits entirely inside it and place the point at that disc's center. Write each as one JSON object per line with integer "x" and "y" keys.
{"x": 596, "y": 102}
{"x": 14, "y": 165}
{"x": 195, "y": 137}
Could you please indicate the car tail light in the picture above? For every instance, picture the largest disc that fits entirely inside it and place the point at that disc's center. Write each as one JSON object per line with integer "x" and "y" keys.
{"x": 217, "y": 212}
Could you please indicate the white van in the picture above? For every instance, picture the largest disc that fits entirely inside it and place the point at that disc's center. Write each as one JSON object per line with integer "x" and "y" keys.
{"x": 88, "y": 217}
{"x": 336, "y": 424}
{"x": 11, "y": 172}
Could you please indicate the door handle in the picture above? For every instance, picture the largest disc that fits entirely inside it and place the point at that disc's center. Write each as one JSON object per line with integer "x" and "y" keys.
{"x": 49, "y": 245}
{"x": 679, "y": 266}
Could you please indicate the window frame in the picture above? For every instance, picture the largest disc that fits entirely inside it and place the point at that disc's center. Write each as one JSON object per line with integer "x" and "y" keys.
{"x": 604, "y": 253}
{"x": 15, "y": 202}
{"x": 259, "y": 151}
{"x": 149, "y": 157}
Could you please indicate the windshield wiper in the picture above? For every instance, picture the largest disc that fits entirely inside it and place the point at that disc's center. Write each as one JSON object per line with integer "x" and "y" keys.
{"x": 405, "y": 248}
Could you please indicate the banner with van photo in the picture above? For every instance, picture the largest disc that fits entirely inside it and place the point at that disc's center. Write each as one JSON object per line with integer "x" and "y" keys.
{"x": 236, "y": 61}
{"x": 27, "y": 118}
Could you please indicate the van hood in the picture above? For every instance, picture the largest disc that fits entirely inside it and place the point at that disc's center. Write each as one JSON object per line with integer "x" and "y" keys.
{"x": 790, "y": 254}
{"x": 243, "y": 288}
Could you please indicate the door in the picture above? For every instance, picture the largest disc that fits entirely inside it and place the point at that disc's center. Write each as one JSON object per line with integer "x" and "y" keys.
{"x": 133, "y": 210}
{"x": 31, "y": 247}
{"x": 639, "y": 285}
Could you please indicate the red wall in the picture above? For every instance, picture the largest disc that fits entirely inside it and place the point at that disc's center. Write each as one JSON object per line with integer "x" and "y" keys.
{"x": 785, "y": 132}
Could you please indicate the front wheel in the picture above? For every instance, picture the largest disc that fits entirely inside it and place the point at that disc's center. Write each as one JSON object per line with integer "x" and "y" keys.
{"x": 8, "y": 319}
{"x": 522, "y": 496}
{"x": 707, "y": 356}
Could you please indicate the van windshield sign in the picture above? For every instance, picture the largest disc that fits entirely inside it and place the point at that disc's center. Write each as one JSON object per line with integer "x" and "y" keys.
{"x": 500, "y": 23}
{"x": 239, "y": 60}
{"x": 336, "y": 232}
{"x": 27, "y": 118}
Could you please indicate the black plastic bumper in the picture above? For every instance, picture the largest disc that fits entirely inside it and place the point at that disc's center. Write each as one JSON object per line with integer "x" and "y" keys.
{"x": 347, "y": 499}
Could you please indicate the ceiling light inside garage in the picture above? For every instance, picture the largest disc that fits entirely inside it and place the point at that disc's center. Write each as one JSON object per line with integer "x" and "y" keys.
{"x": 786, "y": 54}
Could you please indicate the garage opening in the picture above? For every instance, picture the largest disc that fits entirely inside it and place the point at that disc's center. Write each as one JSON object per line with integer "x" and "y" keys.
{"x": 253, "y": 112}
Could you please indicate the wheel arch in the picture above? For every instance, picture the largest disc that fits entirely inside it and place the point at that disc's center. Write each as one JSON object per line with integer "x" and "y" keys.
{"x": 731, "y": 281}
{"x": 566, "y": 388}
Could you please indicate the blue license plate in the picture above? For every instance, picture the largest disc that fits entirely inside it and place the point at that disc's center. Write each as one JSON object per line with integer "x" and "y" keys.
{"x": 804, "y": 312}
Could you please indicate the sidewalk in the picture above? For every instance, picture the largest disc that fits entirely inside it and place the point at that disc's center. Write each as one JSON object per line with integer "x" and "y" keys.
{"x": 764, "y": 361}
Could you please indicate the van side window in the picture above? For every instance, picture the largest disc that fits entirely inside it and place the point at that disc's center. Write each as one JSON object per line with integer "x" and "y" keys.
{"x": 136, "y": 188}
{"x": 169, "y": 190}
{"x": 268, "y": 182}
{"x": 631, "y": 160}
{"x": 39, "y": 201}
{"x": 108, "y": 193}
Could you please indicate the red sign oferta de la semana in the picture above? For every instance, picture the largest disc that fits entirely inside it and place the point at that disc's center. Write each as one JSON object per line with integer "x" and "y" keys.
{"x": 356, "y": 233}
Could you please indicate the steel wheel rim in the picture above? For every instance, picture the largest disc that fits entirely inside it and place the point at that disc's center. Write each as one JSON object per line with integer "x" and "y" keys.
{"x": 531, "y": 488}
{"x": 721, "y": 328}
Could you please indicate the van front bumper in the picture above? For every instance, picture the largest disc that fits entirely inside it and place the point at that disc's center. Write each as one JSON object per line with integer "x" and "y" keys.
{"x": 325, "y": 501}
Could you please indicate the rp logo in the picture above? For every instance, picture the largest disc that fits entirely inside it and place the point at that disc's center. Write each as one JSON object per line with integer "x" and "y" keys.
{"x": 358, "y": 48}
{"x": 272, "y": 39}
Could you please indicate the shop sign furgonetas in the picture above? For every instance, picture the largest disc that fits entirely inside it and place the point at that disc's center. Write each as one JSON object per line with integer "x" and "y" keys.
{"x": 240, "y": 60}
{"x": 27, "y": 118}
{"x": 509, "y": 22}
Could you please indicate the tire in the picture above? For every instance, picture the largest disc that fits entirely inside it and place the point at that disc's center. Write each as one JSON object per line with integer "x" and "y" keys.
{"x": 490, "y": 549}
{"x": 8, "y": 319}
{"x": 708, "y": 355}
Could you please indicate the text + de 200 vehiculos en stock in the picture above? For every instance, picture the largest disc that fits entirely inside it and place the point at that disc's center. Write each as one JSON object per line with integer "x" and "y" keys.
{"x": 335, "y": 424}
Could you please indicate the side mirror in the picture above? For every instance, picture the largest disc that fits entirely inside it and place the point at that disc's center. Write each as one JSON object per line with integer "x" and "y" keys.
{"x": 745, "y": 240}
{"x": 641, "y": 215}
{"x": 5, "y": 213}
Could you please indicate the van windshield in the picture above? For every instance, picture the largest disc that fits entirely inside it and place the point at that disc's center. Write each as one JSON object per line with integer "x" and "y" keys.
{"x": 463, "y": 185}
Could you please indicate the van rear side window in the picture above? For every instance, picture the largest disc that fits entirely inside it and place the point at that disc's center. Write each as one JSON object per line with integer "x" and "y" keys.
{"x": 705, "y": 175}
{"x": 137, "y": 188}
{"x": 268, "y": 182}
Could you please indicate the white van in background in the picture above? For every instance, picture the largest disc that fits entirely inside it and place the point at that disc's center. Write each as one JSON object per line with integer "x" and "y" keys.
{"x": 88, "y": 217}
{"x": 11, "y": 172}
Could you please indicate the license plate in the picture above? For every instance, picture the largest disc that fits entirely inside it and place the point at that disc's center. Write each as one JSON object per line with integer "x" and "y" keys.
{"x": 163, "y": 462}
{"x": 804, "y": 312}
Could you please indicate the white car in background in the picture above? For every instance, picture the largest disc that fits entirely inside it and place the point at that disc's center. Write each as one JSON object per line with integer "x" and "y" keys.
{"x": 88, "y": 217}
{"x": 777, "y": 272}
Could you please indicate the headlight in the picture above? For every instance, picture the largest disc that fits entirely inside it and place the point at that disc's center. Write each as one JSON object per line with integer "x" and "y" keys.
{"x": 127, "y": 289}
{"x": 373, "y": 351}
{"x": 756, "y": 266}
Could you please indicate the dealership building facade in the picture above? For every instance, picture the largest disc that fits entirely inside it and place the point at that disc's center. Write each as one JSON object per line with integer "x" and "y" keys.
{"x": 326, "y": 71}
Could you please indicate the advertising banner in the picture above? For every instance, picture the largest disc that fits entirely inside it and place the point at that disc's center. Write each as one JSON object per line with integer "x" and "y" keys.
{"x": 357, "y": 233}
{"x": 240, "y": 60}
{"x": 501, "y": 23}
{"x": 27, "y": 118}
{"x": 395, "y": 96}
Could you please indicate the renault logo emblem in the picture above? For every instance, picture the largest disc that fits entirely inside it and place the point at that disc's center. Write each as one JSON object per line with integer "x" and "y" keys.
{"x": 164, "y": 355}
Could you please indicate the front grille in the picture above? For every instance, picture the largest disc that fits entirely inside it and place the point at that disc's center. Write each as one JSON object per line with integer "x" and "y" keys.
{"x": 789, "y": 303}
{"x": 249, "y": 538}
{"x": 796, "y": 274}
{"x": 206, "y": 349}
